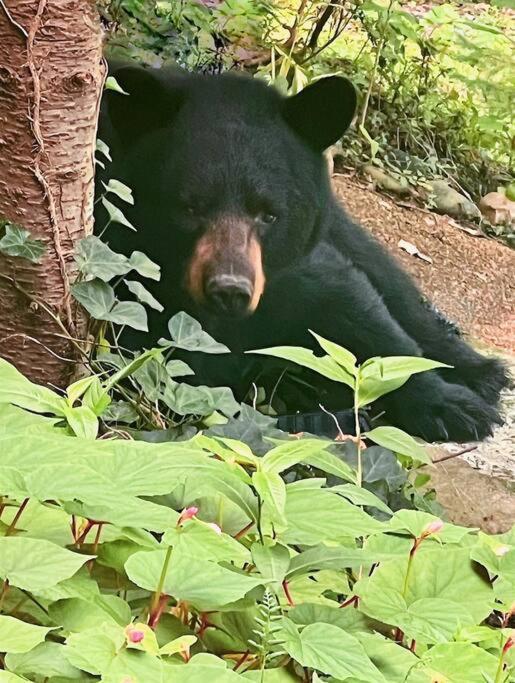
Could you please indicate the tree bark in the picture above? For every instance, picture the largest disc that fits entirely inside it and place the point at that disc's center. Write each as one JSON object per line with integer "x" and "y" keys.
{"x": 51, "y": 79}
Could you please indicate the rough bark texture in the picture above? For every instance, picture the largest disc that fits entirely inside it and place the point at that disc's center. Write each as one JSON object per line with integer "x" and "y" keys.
{"x": 51, "y": 78}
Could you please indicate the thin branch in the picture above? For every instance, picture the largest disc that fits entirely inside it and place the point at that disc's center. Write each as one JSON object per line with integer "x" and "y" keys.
{"x": 13, "y": 21}
{"x": 450, "y": 456}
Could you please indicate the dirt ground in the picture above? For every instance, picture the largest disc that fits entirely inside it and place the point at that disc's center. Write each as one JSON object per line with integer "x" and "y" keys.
{"x": 471, "y": 279}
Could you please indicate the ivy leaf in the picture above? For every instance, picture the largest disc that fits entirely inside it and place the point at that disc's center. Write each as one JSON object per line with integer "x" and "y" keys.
{"x": 129, "y": 313}
{"x": 187, "y": 334}
{"x": 96, "y": 296}
{"x": 120, "y": 190}
{"x": 18, "y": 242}
{"x": 116, "y": 215}
{"x": 143, "y": 295}
{"x": 96, "y": 260}
{"x": 144, "y": 266}
{"x": 112, "y": 84}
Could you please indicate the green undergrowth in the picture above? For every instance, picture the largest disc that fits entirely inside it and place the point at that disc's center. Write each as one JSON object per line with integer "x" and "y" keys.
{"x": 201, "y": 560}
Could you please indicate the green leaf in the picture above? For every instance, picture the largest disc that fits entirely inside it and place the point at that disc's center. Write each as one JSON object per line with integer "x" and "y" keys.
{"x": 19, "y": 637}
{"x": 178, "y": 368}
{"x": 310, "y": 451}
{"x": 272, "y": 561}
{"x": 103, "y": 149}
{"x": 360, "y": 496}
{"x": 272, "y": 492}
{"x": 188, "y": 334}
{"x": 315, "y": 516}
{"x": 143, "y": 295}
{"x": 379, "y": 376}
{"x": 437, "y": 573}
{"x": 16, "y": 389}
{"x": 206, "y": 585}
{"x": 324, "y": 365}
{"x": 144, "y": 266}
{"x": 96, "y": 296}
{"x": 32, "y": 564}
{"x": 96, "y": 260}
{"x": 18, "y": 242}
{"x": 120, "y": 190}
{"x": 46, "y": 661}
{"x": 399, "y": 442}
{"x": 116, "y": 215}
{"x": 459, "y": 663}
{"x": 93, "y": 650}
{"x": 182, "y": 644}
{"x": 324, "y": 557}
{"x": 330, "y": 650}
{"x": 200, "y": 539}
{"x": 129, "y": 313}
{"x": 83, "y": 422}
{"x": 343, "y": 357}
{"x": 112, "y": 84}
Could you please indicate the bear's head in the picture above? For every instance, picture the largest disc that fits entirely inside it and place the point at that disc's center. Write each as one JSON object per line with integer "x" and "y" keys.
{"x": 230, "y": 182}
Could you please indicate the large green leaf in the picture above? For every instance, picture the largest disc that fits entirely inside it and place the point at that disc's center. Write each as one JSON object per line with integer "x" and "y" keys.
{"x": 379, "y": 376}
{"x": 33, "y": 564}
{"x": 272, "y": 561}
{"x": 459, "y": 663}
{"x": 399, "y": 442}
{"x": 428, "y": 605}
{"x": 18, "y": 637}
{"x": 330, "y": 650}
{"x": 93, "y": 650}
{"x": 205, "y": 584}
{"x": 46, "y": 661}
{"x": 319, "y": 515}
{"x": 207, "y": 542}
{"x": 16, "y": 389}
{"x": 324, "y": 365}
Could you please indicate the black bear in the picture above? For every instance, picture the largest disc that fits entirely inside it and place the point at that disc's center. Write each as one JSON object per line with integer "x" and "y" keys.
{"x": 233, "y": 200}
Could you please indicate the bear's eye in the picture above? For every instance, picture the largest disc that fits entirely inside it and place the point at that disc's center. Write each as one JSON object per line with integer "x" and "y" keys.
{"x": 267, "y": 218}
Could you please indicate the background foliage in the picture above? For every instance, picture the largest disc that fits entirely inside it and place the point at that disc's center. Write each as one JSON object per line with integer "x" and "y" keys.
{"x": 436, "y": 82}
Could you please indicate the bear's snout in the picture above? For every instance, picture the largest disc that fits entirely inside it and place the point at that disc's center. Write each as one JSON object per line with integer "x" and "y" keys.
{"x": 225, "y": 272}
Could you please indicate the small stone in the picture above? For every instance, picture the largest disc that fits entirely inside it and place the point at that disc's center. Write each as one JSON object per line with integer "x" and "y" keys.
{"x": 497, "y": 209}
{"x": 447, "y": 200}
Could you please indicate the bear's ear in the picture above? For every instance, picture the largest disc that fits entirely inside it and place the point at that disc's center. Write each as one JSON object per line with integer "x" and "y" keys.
{"x": 151, "y": 101}
{"x": 321, "y": 113}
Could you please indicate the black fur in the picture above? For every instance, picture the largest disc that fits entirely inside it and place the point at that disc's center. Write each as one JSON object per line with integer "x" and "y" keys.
{"x": 198, "y": 148}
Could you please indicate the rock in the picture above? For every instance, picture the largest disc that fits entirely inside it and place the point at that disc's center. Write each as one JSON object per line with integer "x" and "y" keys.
{"x": 385, "y": 181}
{"x": 497, "y": 209}
{"x": 448, "y": 200}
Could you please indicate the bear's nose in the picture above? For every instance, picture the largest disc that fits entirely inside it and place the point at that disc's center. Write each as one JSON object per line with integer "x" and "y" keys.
{"x": 229, "y": 294}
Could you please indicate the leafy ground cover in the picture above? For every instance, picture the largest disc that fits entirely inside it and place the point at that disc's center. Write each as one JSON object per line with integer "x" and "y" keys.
{"x": 124, "y": 561}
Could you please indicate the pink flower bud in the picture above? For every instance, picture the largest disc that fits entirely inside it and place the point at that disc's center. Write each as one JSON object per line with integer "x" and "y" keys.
{"x": 433, "y": 527}
{"x": 507, "y": 645}
{"x": 187, "y": 513}
{"x": 215, "y": 528}
{"x": 135, "y": 636}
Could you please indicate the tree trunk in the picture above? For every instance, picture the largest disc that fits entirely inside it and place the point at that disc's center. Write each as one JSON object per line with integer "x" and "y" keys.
{"x": 51, "y": 80}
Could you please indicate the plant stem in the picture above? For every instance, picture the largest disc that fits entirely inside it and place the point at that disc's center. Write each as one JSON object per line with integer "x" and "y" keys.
{"x": 357, "y": 428}
{"x": 379, "y": 52}
{"x": 3, "y": 593}
{"x": 12, "y": 526}
{"x": 157, "y": 595}
{"x": 288, "y": 594}
{"x": 412, "y": 552}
